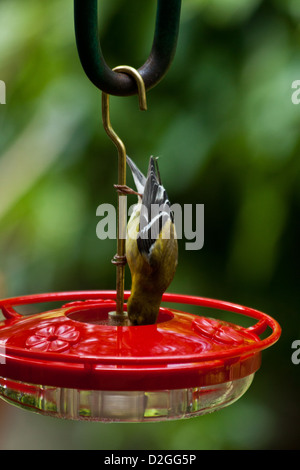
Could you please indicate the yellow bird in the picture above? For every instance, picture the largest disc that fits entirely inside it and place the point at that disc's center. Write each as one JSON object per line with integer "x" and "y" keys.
{"x": 151, "y": 246}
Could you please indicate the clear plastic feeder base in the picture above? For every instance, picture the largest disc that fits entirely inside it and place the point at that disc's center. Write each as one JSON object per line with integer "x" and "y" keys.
{"x": 114, "y": 406}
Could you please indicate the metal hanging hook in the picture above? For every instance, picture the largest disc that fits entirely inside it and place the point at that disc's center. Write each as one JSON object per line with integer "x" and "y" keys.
{"x": 120, "y": 258}
{"x": 153, "y": 70}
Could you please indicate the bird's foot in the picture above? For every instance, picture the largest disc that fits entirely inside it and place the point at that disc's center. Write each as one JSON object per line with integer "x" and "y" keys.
{"x": 119, "y": 260}
{"x": 124, "y": 189}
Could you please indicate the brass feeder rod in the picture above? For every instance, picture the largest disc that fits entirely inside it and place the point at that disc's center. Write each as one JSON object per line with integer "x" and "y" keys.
{"x": 120, "y": 258}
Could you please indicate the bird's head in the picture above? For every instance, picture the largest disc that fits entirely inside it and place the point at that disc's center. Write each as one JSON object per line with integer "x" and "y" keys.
{"x": 143, "y": 311}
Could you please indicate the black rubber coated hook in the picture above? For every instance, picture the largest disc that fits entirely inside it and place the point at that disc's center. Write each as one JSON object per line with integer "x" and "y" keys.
{"x": 153, "y": 70}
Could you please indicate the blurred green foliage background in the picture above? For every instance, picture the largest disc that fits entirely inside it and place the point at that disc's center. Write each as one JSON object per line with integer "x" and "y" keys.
{"x": 227, "y": 133}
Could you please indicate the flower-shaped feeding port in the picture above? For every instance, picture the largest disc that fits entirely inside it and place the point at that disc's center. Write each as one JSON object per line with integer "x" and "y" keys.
{"x": 52, "y": 338}
{"x": 72, "y": 363}
{"x": 222, "y": 333}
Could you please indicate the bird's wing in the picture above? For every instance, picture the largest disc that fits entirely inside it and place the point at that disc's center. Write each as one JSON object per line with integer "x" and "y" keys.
{"x": 139, "y": 178}
{"x": 155, "y": 210}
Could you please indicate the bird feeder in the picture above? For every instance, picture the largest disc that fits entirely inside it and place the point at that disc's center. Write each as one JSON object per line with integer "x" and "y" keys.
{"x": 73, "y": 363}
{"x": 82, "y": 360}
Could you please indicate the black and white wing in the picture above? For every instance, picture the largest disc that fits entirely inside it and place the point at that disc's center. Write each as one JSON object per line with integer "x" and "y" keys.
{"x": 155, "y": 210}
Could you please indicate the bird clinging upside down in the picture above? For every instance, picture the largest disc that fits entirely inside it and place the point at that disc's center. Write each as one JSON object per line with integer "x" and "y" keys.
{"x": 151, "y": 246}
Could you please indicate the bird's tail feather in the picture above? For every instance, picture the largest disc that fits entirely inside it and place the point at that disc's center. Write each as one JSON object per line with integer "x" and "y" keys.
{"x": 139, "y": 178}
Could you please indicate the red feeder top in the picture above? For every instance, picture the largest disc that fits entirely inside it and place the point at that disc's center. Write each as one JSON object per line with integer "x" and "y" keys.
{"x": 75, "y": 347}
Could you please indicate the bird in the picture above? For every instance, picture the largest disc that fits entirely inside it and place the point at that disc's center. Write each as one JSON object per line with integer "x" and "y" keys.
{"x": 151, "y": 245}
